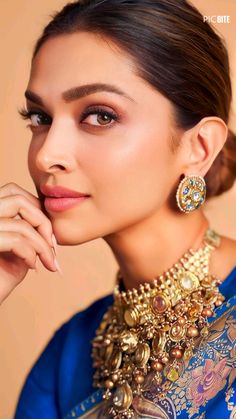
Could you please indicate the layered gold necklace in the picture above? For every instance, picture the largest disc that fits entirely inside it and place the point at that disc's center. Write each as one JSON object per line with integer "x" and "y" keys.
{"x": 155, "y": 328}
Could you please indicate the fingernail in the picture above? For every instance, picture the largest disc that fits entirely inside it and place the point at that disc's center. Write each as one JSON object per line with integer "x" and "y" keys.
{"x": 56, "y": 263}
{"x": 35, "y": 266}
{"x": 54, "y": 241}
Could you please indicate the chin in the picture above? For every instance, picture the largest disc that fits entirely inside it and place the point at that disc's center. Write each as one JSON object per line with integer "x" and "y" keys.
{"x": 69, "y": 233}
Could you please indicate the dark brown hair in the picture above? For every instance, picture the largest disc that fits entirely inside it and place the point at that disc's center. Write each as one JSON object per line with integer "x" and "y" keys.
{"x": 175, "y": 51}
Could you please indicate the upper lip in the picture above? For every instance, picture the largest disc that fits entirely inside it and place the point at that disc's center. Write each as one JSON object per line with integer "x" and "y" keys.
{"x": 60, "y": 192}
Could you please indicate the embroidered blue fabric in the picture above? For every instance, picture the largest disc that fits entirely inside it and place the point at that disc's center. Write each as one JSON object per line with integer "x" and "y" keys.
{"x": 61, "y": 378}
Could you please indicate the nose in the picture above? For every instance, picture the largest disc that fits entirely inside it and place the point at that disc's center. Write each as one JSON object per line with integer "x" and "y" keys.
{"x": 57, "y": 150}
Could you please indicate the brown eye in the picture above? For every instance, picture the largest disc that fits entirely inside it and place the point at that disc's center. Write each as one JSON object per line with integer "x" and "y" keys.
{"x": 99, "y": 117}
{"x": 103, "y": 118}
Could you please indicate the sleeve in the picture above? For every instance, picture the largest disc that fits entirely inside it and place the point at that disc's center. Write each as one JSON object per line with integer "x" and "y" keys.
{"x": 38, "y": 396}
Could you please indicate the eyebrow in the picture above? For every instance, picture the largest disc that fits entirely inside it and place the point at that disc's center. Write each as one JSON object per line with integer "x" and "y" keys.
{"x": 80, "y": 91}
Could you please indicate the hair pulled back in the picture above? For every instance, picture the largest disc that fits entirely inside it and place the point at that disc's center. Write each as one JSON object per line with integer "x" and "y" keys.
{"x": 175, "y": 51}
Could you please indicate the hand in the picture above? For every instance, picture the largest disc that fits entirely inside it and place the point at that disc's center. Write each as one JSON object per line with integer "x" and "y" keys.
{"x": 25, "y": 233}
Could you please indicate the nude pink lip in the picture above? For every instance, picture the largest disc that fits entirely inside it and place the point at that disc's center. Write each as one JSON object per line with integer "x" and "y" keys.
{"x": 60, "y": 192}
{"x": 62, "y": 204}
{"x": 58, "y": 198}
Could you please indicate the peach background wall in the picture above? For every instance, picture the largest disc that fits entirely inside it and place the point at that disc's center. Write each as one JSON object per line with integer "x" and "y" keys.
{"x": 44, "y": 300}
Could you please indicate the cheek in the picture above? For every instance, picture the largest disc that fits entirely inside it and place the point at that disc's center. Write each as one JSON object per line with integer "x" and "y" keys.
{"x": 133, "y": 174}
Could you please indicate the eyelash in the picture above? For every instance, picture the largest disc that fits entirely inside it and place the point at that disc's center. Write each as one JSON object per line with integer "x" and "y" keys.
{"x": 26, "y": 114}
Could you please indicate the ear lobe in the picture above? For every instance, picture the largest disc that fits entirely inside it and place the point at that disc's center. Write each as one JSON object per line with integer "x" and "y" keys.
{"x": 208, "y": 138}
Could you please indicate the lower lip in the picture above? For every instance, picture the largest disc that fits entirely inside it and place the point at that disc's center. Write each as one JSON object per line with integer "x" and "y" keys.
{"x": 61, "y": 204}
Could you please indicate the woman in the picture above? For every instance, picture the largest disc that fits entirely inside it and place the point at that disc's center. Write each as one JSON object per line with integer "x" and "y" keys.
{"x": 129, "y": 103}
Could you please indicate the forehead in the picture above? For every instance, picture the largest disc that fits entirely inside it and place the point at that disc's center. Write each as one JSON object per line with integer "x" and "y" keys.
{"x": 80, "y": 58}
{"x": 84, "y": 58}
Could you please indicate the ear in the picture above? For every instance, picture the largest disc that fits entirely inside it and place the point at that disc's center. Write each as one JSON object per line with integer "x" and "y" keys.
{"x": 206, "y": 140}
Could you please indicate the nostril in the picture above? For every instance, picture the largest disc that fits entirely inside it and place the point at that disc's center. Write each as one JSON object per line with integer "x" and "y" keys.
{"x": 60, "y": 166}
{"x": 57, "y": 167}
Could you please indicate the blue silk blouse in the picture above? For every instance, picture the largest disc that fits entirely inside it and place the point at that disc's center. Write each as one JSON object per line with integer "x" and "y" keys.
{"x": 59, "y": 384}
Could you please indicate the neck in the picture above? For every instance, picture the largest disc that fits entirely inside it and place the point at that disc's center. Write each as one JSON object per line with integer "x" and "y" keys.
{"x": 147, "y": 249}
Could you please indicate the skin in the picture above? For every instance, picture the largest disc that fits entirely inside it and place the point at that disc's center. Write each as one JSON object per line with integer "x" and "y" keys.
{"x": 127, "y": 167}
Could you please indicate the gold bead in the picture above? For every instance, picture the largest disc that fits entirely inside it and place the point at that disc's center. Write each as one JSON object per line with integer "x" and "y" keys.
{"x": 157, "y": 366}
{"x": 176, "y": 353}
{"x": 192, "y": 332}
{"x": 165, "y": 359}
{"x": 207, "y": 312}
{"x": 109, "y": 384}
{"x": 115, "y": 377}
{"x": 181, "y": 321}
{"x": 218, "y": 303}
{"x": 139, "y": 379}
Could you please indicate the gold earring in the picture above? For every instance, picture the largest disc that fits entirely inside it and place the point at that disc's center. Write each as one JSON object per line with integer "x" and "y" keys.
{"x": 191, "y": 193}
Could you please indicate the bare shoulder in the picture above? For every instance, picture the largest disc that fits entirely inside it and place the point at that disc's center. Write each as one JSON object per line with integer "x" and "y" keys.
{"x": 224, "y": 258}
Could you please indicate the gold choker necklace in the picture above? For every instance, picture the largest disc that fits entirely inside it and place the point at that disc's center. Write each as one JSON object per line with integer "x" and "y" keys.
{"x": 153, "y": 330}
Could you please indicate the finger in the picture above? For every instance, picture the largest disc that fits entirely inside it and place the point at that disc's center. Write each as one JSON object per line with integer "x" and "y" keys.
{"x": 14, "y": 189}
{"x": 15, "y": 243}
{"x": 25, "y": 229}
{"x": 12, "y": 205}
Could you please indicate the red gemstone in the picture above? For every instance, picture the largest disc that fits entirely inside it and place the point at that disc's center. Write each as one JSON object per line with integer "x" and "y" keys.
{"x": 159, "y": 304}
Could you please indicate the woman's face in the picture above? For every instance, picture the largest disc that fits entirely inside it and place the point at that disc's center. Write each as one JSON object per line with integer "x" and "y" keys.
{"x": 121, "y": 158}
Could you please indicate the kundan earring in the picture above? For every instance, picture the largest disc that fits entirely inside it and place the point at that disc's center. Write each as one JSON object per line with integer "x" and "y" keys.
{"x": 191, "y": 193}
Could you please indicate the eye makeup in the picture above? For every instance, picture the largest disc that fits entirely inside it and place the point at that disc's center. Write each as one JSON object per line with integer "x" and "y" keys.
{"x": 93, "y": 110}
